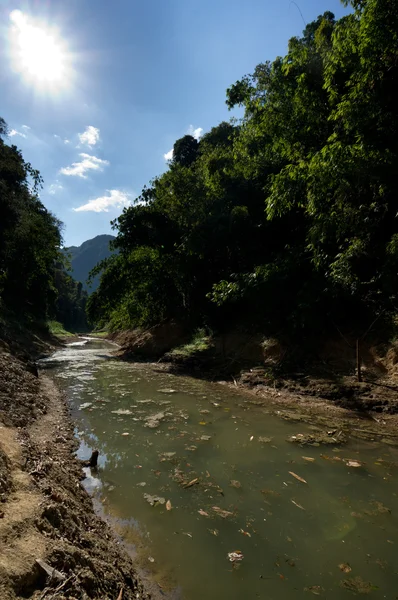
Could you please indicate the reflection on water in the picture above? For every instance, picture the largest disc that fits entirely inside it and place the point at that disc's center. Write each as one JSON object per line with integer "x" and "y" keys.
{"x": 229, "y": 475}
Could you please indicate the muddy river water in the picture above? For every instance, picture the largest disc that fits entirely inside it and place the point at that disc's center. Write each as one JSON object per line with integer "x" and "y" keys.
{"x": 191, "y": 471}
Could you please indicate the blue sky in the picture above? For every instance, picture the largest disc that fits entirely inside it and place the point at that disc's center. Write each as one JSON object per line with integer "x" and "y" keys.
{"x": 95, "y": 92}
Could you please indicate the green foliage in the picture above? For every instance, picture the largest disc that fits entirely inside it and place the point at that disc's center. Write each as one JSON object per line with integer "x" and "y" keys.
{"x": 286, "y": 220}
{"x": 200, "y": 342}
{"x": 33, "y": 282}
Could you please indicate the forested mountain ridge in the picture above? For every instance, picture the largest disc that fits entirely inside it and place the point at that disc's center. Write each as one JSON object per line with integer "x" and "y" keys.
{"x": 286, "y": 221}
{"x": 85, "y": 257}
{"x": 34, "y": 285}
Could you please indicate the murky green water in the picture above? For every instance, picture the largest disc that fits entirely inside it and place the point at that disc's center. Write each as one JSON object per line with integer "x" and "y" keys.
{"x": 293, "y": 535}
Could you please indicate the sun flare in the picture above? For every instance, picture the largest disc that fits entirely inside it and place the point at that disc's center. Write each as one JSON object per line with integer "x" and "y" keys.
{"x": 38, "y": 53}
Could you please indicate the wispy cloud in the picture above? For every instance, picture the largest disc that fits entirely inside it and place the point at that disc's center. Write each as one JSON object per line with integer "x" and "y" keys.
{"x": 15, "y": 132}
{"x": 90, "y": 136}
{"x": 54, "y": 188}
{"x": 169, "y": 155}
{"x": 196, "y": 133}
{"x": 58, "y": 137}
{"x": 114, "y": 199}
{"x": 87, "y": 163}
{"x": 25, "y": 127}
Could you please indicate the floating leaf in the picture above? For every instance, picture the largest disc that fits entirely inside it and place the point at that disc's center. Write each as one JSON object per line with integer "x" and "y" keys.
{"x": 345, "y": 567}
{"x": 297, "y": 477}
{"x": 168, "y": 505}
{"x": 251, "y": 438}
{"x": 151, "y": 559}
{"x": 125, "y": 433}
{"x": 308, "y": 458}
{"x": 202, "y": 423}
{"x": 264, "y": 440}
{"x": 214, "y": 532}
{"x": 203, "y": 513}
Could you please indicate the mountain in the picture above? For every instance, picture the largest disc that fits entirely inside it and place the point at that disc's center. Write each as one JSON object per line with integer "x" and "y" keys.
{"x": 84, "y": 258}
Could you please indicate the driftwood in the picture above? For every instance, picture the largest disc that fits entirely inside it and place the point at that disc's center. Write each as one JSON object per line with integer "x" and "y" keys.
{"x": 51, "y": 572}
{"x": 93, "y": 460}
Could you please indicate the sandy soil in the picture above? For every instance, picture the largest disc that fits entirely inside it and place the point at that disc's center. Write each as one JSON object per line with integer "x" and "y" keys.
{"x": 45, "y": 513}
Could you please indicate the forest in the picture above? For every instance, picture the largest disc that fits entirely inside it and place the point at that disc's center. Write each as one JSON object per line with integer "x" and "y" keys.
{"x": 35, "y": 286}
{"x": 284, "y": 221}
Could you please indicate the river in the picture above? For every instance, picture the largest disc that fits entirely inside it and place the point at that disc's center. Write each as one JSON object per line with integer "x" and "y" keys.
{"x": 190, "y": 471}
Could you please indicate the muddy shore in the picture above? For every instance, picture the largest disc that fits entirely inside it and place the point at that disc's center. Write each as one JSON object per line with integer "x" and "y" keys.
{"x": 45, "y": 512}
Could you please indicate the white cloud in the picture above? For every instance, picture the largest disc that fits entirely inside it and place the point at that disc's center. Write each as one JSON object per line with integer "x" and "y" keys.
{"x": 87, "y": 163}
{"x": 15, "y": 132}
{"x": 196, "y": 133}
{"x": 25, "y": 127}
{"x": 54, "y": 188}
{"x": 90, "y": 136}
{"x": 66, "y": 141}
{"x": 114, "y": 199}
{"x": 169, "y": 155}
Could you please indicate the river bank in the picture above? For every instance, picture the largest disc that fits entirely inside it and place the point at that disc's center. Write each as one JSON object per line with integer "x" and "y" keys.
{"x": 321, "y": 381}
{"x": 45, "y": 512}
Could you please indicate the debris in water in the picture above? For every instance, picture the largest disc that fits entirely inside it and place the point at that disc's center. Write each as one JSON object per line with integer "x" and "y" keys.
{"x": 235, "y": 483}
{"x": 308, "y": 458}
{"x": 154, "y": 500}
{"x": 314, "y": 589}
{"x": 153, "y": 421}
{"x": 345, "y": 567}
{"x": 151, "y": 559}
{"x": 187, "y": 533}
{"x": 354, "y": 463}
{"x": 191, "y": 448}
{"x": 205, "y": 438}
{"x": 202, "y": 423}
{"x": 214, "y": 532}
{"x": 357, "y": 584}
{"x": 167, "y": 391}
{"x": 236, "y": 556}
{"x": 222, "y": 513}
{"x": 122, "y": 411}
{"x": 297, "y": 504}
{"x": 264, "y": 440}
{"x": 125, "y": 433}
{"x": 244, "y": 532}
{"x": 85, "y": 405}
{"x": 168, "y": 505}
{"x": 166, "y": 456}
{"x": 204, "y": 412}
{"x": 297, "y": 477}
{"x": 251, "y": 438}
{"x": 203, "y": 513}
{"x": 141, "y": 484}
{"x": 190, "y": 483}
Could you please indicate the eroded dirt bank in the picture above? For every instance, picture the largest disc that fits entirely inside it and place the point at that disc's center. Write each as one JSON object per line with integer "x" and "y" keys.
{"x": 321, "y": 378}
{"x": 45, "y": 513}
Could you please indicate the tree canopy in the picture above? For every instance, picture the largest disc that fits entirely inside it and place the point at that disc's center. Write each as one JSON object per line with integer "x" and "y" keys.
{"x": 33, "y": 281}
{"x": 286, "y": 219}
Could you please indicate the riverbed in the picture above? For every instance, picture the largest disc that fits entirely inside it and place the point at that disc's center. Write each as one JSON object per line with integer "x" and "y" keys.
{"x": 211, "y": 497}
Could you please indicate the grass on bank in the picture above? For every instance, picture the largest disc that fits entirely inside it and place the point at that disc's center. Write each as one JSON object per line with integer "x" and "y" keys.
{"x": 200, "y": 342}
{"x": 56, "y": 328}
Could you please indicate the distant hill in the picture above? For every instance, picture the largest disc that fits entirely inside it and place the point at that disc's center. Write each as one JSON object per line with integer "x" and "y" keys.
{"x": 85, "y": 257}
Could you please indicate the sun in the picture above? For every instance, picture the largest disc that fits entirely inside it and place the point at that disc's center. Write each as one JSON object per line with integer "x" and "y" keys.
{"x": 38, "y": 53}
